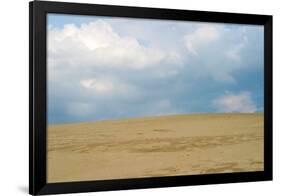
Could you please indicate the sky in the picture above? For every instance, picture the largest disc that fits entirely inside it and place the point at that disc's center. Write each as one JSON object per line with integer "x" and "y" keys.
{"x": 101, "y": 68}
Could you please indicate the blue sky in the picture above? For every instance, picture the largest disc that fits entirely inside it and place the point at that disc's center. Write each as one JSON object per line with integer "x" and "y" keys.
{"x": 112, "y": 68}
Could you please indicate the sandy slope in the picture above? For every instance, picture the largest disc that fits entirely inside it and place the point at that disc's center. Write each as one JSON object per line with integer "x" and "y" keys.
{"x": 155, "y": 146}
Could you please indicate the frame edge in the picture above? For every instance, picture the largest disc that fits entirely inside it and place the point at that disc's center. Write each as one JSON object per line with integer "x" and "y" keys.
{"x": 31, "y": 163}
{"x": 268, "y": 98}
{"x": 37, "y": 99}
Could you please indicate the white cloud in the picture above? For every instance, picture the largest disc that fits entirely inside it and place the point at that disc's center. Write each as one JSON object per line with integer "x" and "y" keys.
{"x": 104, "y": 69}
{"x": 202, "y": 36}
{"x": 98, "y": 86}
{"x": 240, "y": 102}
{"x": 104, "y": 88}
{"x": 97, "y": 34}
{"x": 234, "y": 53}
{"x": 221, "y": 50}
{"x": 97, "y": 44}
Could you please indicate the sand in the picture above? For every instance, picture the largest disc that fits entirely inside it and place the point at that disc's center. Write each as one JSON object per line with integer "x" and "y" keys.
{"x": 155, "y": 146}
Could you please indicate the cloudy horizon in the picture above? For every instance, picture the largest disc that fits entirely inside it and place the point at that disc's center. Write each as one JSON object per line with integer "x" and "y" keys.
{"x": 103, "y": 68}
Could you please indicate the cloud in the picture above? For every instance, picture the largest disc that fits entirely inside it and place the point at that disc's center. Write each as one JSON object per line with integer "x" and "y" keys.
{"x": 234, "y": 53}
{"x": 96, "y": 44}
{"x": 201, "y": 37}
{"x": 98, "y": 86}
{"x": 106, "y": 86}
{"x": 108, "y": 68}
{"x": 222, "y": 50}
{"x": 231, "y": 102}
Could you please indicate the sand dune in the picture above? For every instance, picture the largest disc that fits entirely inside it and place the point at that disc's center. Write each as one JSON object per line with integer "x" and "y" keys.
{"x": 155, "y": 146}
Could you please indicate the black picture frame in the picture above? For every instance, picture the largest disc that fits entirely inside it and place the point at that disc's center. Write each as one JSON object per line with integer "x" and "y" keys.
{"x": 37, "y": 97}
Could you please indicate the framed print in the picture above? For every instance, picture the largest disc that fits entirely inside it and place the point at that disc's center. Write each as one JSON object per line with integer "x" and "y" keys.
{"x": 130, "y": 97}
